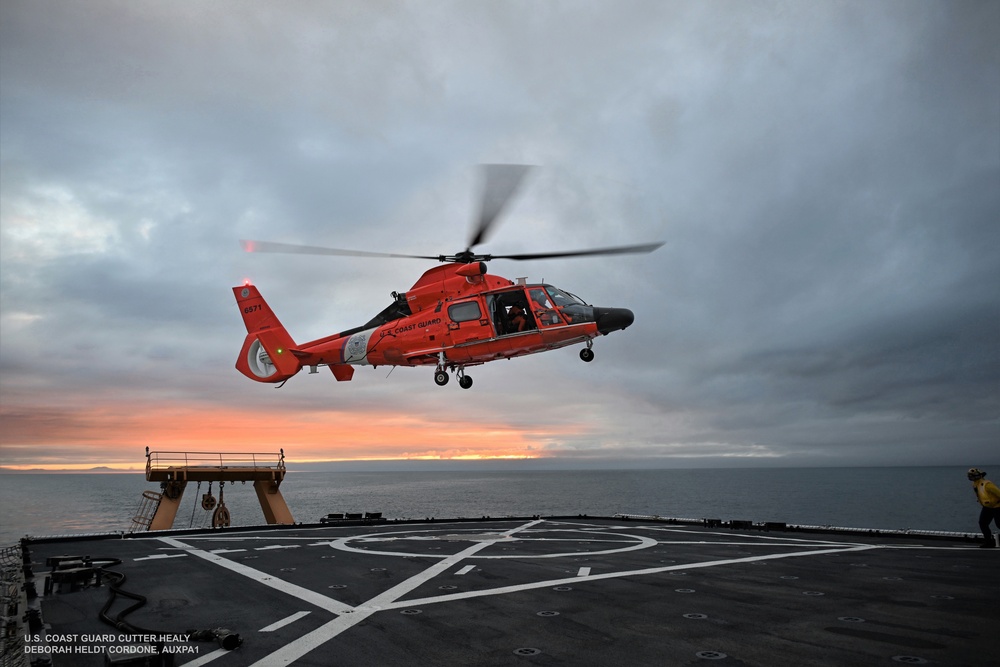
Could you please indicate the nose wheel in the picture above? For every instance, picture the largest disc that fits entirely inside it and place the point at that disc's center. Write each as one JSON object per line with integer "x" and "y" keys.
{"x": 586, "y": 353}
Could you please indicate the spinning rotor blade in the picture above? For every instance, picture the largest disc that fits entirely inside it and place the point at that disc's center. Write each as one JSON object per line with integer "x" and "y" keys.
{"x": 617, "y": 250}
{"x": 499, "y": 185}
{"x": 291, "y": 248}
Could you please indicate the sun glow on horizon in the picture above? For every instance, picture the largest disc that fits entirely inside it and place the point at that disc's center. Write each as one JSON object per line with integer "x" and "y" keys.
{"x": 115, "y": 437}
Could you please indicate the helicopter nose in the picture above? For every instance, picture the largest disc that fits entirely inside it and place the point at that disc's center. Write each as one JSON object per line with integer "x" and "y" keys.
{"x": 613, "y": 319}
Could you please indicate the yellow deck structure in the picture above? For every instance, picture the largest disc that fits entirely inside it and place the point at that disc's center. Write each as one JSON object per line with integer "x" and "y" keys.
{"x": 173, "y": 470}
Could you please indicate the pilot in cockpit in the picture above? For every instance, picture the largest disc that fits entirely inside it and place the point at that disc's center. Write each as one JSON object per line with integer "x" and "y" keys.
{"x": 516, "y": 317}
{"x": 543, "y": 307}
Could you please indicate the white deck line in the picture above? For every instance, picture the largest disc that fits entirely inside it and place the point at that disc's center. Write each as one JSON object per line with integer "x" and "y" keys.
{"x": 285, "y": 621}
{"x": 207, "y": 658}
{"x": 390, "y": 599}
{"x": 160, "y": 557}
{"x": 386, "y": 600}
{"x": 277, "y": 546}
{"x": 615, "y": 575}
{"x": 304, "y": 594}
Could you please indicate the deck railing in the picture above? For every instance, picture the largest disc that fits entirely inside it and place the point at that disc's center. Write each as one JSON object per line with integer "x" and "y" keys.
{"x": 214, "y": 460}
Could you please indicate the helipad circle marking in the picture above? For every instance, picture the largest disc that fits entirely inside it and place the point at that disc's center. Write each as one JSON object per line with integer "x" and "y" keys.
{"x": 637, "y": 542}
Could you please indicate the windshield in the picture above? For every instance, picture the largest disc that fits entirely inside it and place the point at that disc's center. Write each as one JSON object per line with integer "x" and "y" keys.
{"x": 562, "y": 298}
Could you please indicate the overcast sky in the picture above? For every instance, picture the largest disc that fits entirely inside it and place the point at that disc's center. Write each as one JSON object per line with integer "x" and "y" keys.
{"x": 826, "y": 177}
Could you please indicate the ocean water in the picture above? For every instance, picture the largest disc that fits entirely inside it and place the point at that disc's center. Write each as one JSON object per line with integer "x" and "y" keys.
{"x": 923, "y": 498}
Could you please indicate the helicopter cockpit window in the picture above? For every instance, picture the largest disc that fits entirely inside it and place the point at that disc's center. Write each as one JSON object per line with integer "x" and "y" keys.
{"x": 573, "y": 309}
{"x": 562, "y": 298}
{"x": 465, "y": 312}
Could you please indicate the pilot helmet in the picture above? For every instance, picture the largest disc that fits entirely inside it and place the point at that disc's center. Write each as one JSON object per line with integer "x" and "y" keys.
{"x": 976, "y": 473}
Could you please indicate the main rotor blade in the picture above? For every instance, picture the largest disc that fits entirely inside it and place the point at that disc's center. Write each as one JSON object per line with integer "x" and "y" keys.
{"x": 499, "y": 185}
{"x": 291, "y": 248}
{"x": 617, "y": 250}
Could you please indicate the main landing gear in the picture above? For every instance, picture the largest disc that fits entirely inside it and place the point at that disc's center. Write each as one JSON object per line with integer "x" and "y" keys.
{"x": 441, "y": 377}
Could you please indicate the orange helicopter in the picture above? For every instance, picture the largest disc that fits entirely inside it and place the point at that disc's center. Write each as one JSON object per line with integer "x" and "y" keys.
{"x": 456, "y": 315}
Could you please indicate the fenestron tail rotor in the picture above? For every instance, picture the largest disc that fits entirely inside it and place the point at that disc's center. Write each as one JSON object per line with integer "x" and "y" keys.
{"x": 500, "y": 184}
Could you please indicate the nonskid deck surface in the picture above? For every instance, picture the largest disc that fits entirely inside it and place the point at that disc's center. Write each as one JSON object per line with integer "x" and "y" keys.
{"x": 536, "y": 592}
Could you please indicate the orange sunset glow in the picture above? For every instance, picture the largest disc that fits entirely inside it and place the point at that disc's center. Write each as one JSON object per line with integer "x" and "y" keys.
{"x": 116, "y": 436}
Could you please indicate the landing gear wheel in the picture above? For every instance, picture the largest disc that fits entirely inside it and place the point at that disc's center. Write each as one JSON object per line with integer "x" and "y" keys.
{"x": 587, "y": 354}
{"x": 441, "y": 378}
{"x": 465, "y": 382}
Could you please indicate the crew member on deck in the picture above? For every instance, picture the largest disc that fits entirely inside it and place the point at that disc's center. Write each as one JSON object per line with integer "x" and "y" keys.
{"x": 988, "y": 496}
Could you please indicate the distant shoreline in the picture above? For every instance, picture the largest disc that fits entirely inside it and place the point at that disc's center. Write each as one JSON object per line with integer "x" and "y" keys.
{"x": 503, "y": 465}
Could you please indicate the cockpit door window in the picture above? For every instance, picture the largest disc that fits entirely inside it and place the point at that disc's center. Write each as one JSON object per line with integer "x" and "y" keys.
{"x": 543, "y": 308}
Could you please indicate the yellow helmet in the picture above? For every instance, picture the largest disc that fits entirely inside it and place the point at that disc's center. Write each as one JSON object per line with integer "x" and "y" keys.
{"x": 976, "y": 473}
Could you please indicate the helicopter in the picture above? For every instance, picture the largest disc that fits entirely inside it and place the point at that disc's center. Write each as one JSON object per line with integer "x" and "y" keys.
{"x": 455, "y": 316}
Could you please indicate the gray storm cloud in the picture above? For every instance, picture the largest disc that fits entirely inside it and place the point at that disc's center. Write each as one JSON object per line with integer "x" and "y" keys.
{"x": 825, "y": 176}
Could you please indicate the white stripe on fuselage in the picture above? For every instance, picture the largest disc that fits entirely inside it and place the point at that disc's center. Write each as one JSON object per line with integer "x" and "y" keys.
{"x": 356, "y": 349}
